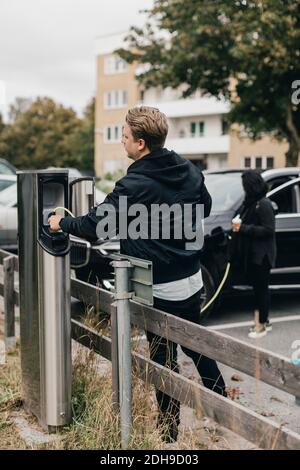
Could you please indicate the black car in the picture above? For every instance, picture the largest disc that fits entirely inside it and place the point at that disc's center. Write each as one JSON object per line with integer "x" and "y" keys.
{"x": 227, "y": 194}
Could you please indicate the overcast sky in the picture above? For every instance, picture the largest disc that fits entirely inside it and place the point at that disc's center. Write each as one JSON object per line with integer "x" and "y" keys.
{"x": 47, "y": 47}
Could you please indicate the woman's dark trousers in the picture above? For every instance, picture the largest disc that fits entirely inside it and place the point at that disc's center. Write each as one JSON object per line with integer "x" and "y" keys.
{"x": 164, "y": 352}
{"x": 259, "y": 278}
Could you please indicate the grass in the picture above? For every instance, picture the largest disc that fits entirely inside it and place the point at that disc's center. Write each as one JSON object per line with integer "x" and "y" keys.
{"x": 95, "y": 424}
{"x": 10, "y": 383}
{"x": 10, "y": 401}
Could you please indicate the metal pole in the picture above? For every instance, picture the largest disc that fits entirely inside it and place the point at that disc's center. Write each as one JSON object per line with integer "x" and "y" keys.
{"x": 124, "y": 347}
{"x": 114, "y": 358}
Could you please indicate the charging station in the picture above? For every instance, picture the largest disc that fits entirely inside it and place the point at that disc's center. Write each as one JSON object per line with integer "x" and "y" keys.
{"x": 44, "y": 277}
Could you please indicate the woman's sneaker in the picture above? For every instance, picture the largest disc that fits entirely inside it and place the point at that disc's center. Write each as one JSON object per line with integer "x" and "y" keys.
{"x": 258, "y": 331}
{"x": 268, "y": 326}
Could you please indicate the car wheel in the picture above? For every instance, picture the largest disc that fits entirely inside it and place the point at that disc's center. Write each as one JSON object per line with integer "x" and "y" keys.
{"x": 207, "y": 292}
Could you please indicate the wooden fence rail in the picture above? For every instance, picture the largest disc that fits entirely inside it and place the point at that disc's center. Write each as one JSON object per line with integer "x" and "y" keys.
{"x": 274, "y": 369}
{"x": 263, "y": 432}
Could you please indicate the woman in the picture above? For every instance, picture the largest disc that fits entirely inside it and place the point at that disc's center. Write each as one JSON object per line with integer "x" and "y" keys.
{"x": 256, "y": 245}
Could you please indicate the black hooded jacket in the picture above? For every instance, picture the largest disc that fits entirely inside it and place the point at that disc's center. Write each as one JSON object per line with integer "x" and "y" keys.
{"x": 159, "y": 177}
{"x": 257, "y": 232}
{"x": 255, "y": 240}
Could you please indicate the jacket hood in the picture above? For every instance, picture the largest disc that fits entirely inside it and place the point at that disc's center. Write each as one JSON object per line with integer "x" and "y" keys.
{"x": 166, "y": 166}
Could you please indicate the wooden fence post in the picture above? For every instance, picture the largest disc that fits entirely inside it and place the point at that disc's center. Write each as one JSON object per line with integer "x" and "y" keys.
{"x": 9, "y": 304}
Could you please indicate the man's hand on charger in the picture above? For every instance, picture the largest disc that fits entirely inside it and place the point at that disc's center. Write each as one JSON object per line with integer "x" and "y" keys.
{"x": 54, "y": 222}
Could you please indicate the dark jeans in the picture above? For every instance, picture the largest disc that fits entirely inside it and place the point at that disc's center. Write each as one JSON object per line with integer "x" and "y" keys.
{"x": 259, "y": 278}
{"x": 164, "y": 352}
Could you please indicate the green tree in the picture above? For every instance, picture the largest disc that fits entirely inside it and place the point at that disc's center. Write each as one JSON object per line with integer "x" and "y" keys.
{"x": 83, "y": 141}
{"x": 209, "y": 45}
{"x": 18, "y": 108}
{"x": 40, "y": 135}
{"x": 2, "y": 125}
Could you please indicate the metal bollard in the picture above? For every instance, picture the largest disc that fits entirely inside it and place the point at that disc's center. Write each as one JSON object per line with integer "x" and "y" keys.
{"x": 122, "y": 297}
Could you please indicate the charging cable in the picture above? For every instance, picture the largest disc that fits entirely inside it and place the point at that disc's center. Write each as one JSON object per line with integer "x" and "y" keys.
{"x": 218, "y": 290}
{"x": 221, "y": 283}
{"x": 64, "y": 209}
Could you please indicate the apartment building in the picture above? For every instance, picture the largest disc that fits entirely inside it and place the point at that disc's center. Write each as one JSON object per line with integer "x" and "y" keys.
{"x": 117, "y": 91}
{"x": 197, "y": 125}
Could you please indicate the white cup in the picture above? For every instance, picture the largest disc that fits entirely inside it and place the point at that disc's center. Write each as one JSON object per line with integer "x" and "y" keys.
{"x": 237, "y": 219}
{"x": 236, "y": 223}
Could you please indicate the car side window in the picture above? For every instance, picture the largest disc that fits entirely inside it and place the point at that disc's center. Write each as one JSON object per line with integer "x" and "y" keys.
{"x": 278, "y": 181}
{"x": 286, "y": 201}
{"x": 4, "y": 184}
{"x": 3, "y": 169}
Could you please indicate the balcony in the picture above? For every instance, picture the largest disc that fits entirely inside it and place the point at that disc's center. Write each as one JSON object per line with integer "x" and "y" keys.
{"x": 192, "y": 107}
{"x": 199, "y": 145}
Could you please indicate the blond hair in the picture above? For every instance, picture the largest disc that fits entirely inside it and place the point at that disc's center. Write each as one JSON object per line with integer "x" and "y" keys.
{"x": 148, "y": 124}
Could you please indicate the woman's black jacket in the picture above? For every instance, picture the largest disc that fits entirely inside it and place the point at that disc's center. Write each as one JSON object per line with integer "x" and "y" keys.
{"x": 256, "y": 238}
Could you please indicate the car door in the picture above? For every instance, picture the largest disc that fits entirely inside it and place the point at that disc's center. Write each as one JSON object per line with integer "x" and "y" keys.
{"x": 3, "y": 231}
{"x": 287, "y": 199}
{"x": 8, "y": 217}
{"x": 12, "y": 226}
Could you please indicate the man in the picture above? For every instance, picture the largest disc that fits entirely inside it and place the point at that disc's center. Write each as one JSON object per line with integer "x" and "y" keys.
{"x": 159, "y": 176}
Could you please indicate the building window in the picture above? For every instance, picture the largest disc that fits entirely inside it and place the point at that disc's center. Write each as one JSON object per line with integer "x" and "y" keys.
{"x": 197, "y": 130}
{"x": 193, "y": 129}
{"x": 125, "y": 97}
{"x": 247, "y": 162}
{"x": 115, "y": 98}
{"x": 201, "y": 128}
{"x": 116, "y": 133}
{"x": 108, "y": 99}
{"x": 120, "y": 65}
{"x": 114, "y": 64}
{"x": 270, "y": 162}
{"x": 225, "y": 126}
{"x": 142, "y": 95}
{"x": 258, "y": 162}
{"x": 113, "y": 134}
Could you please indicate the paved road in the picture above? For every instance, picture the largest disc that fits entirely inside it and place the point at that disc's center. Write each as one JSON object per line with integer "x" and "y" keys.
{"x": 236, "y": 314}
